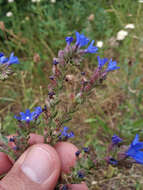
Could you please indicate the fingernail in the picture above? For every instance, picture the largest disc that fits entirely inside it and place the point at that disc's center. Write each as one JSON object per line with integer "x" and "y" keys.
{"x": 38, "y": 165}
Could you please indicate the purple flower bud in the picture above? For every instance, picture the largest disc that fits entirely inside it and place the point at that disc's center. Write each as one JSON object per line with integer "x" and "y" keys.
{"x": 69, "y": 40}
{"x": 51, "y": 77}
{"x": 65, "y": 187}
{"x": 116, "y": 139}
{"x": 80, "y": 174}
{"x": 11, "y": 140}
{"x": 86, "y": 149}
{"x": 78, "y": 153}
{"x": 55, "y": 62}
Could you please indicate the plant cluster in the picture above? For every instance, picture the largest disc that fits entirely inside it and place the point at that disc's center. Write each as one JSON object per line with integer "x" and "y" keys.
{"x": 53, "y": 121}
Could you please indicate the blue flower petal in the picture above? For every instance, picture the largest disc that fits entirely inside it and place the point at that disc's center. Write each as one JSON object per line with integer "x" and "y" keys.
{"x": 13, "y": 59}
{"x": 112, "y": 66}
{"x": 69, "y": 40}
{"x": 81, "y": 40}
{"x": 136, "y": 140}
{"x": 91, "y": 48}
{"x": 101, "y": 62}
{"x": 116, "y": 139}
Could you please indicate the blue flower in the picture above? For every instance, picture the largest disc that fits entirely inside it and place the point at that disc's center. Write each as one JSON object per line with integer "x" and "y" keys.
{"x": 134, "y": 150}
{"x": 1, "y": 54}
{"x": 116, "y": 139}
{"x": 37, "y": 112}
{"x": 29, "y": 116}
{"x": 69, "y": 40}
{"x": 81, "y": 40}
{"x": 64, "y": 133}
{"x": 13, "y": 59}
{"x": 91, "y": 48}
{"x": 3, "y": 59}
{"x": 112, "y": 66}
{"x": 101, "y": 62}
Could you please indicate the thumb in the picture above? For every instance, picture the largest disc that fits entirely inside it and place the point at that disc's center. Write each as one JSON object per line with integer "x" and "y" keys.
{"x": 38, "y": 168}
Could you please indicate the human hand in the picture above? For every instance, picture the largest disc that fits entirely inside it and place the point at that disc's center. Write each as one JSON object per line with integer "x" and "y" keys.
{"x": 39, "y": 167}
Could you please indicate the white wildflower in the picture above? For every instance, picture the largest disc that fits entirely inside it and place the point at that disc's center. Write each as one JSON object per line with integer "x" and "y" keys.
{"x": 99, "y": 44}
{"x": 91, "y": 17}
{"x": 122, "y": 34}
{"x": 140, "y": 1}
{"x": 35, "y": 1}
{"x": 94, "y": 182}
{"x": 130, "y": 26}
{"x": 9, "y": 14}
{"x": 10, "y": 1}
{"x": 53, "y": 1}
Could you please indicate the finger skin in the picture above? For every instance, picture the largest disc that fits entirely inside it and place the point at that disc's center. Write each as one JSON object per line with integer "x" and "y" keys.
{"x": 78, "y": 187}
{"x": 35, "y": 139}
{"x": 5, "y": 163}
{"x": 66, "y": 152}
{"x": 63, "y": 148}
{"x": 16, "y": 178}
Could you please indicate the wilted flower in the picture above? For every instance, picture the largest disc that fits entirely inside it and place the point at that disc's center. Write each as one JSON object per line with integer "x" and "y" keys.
{"x": 2, "y": 26}
{"x": 130, "y": 26}
{"x": 134, "y": 150}
{"x": 122, "y": 34}
{"x": 99, "y": 44}
{"x": 91, "y": 17}
{"x": 112, "y": 161}
{"x": 9, "y": 14}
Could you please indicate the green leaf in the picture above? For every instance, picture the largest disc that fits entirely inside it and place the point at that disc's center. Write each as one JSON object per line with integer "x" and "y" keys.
{"x": 4, "y": 139}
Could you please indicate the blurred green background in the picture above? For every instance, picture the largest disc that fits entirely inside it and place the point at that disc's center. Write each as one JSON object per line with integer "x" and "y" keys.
{"x": 35, "y": 31}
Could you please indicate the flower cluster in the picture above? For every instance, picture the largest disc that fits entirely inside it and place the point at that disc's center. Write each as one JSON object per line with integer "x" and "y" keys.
{"x": 8, "y": 61}
{"x": 53, "y": 120}
{"x": 5, "y": 63}
{"x": 66, "y": 134}
{"x": 81, "y": 41}
{"x": 29, "y": 116}
{"x": 134, "y": 150}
